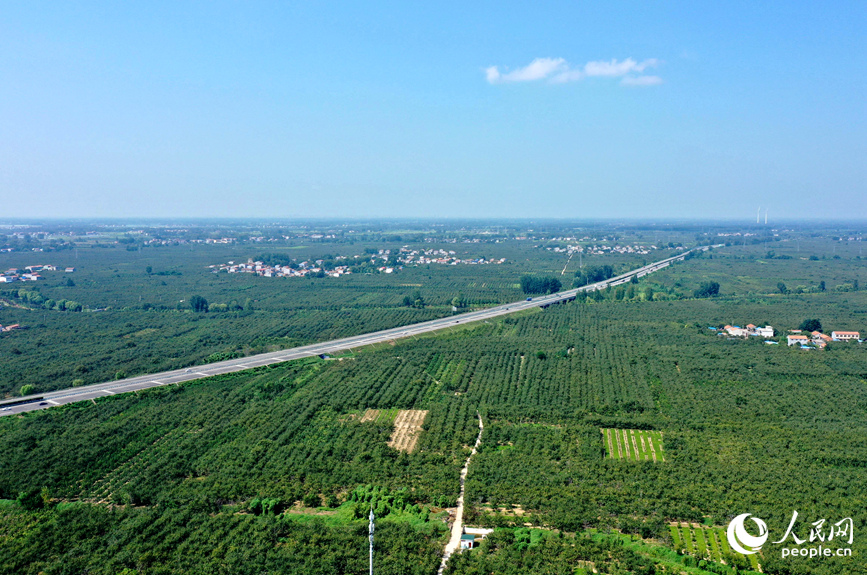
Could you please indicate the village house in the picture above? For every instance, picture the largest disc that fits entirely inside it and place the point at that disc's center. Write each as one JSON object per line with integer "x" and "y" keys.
{"x": 735, "y": 331}
{"x": 845, "y": 335}
{"x": 818, "y": 336}
{"x": 750, "y": 330}
{"x": 765, "y": 332}
{"x": 797, "y": 340}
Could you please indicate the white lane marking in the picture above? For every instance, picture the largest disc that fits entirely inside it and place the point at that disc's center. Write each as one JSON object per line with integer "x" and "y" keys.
{"x": 107, "y": 391}
{"x": 205, "y": 374}
{"x": 158, "y": 382}
{"x": 52, "y": 401}
{"x": 242, "y": 365}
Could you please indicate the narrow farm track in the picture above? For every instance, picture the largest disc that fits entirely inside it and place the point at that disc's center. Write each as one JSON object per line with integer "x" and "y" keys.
{"x": 626, "y": 444}
{"x": 619, "y": 449}
{"x": 458, "y": 526}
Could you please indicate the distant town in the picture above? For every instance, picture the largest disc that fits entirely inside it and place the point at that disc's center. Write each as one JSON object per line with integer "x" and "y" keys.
{"x": 381, "y": 261}
{"x": 30, "y": 273}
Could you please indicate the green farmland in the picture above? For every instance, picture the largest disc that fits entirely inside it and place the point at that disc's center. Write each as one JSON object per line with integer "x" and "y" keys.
{"x": 274, "y": 469}
{"x": 710, "y": 544}
{"x": 633, "y": 444}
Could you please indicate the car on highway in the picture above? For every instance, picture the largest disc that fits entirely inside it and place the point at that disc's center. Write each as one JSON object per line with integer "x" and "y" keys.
{"x": 44, "y": 403}
{"x": 529, "y": 299}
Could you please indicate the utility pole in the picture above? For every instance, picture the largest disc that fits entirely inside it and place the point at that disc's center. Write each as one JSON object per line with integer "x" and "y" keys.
{"x": 370, "y": 530}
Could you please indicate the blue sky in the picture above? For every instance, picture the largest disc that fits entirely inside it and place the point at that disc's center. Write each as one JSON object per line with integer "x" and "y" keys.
{"x": 464, "y": 109}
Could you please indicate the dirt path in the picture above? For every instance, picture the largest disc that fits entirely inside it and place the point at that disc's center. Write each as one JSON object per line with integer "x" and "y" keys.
{"x": 458, "y": 527}
{"x": 567, "y": 263}
{"x": 635, "y": 446}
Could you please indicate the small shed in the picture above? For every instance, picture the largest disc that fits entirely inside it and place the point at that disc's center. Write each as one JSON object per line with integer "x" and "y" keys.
{"x": 468, "y": 541}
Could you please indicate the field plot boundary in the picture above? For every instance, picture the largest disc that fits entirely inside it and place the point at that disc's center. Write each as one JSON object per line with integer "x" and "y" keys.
{"x": 633, "y": 444}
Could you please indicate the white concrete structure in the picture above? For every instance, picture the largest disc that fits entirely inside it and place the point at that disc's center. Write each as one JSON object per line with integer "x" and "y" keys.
{"x": 797, "y": 340}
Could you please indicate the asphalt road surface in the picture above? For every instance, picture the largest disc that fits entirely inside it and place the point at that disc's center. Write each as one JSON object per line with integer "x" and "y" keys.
{"x": 84, "y": 393}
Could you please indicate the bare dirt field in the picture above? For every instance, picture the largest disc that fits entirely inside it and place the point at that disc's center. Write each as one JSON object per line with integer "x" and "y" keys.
{"x": 407, "y": 428}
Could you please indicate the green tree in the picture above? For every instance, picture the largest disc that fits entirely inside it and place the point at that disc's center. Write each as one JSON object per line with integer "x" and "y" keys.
{"x": 707, "y": 289}
{"x": 417, "y": 300}
{"x": 27, "y": 389}
{"x": 538, "y": 284}
{"x": 31, "y": 499}
{"x": 198, "y": 303}
{"x": 782, "y": 287}
{"x": 810, "y": 325}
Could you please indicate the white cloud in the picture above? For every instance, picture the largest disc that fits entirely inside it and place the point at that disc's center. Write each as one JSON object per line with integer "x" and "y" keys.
{"x": 641, "y": 81}
{"x": 559, "y": 71}
{"x": 492, "y": 74}
{"x": 615, "y": 68}
{"x": 538, "y": 69}
{"x": 567, "y": 76}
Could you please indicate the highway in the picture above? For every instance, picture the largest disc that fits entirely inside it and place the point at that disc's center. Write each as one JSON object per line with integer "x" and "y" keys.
{"x": 84, "y": 393}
